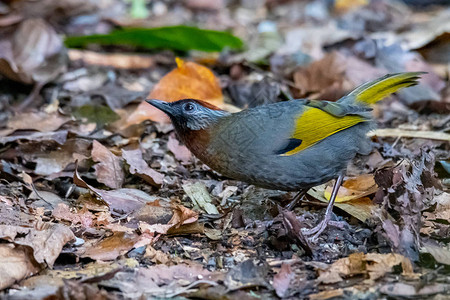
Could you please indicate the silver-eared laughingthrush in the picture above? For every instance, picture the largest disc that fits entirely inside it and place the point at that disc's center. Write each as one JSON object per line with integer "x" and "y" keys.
{"x": 290, "y": 146}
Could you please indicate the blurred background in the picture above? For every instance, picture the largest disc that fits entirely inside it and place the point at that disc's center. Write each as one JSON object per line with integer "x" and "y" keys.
{"x": 270, "y": 50}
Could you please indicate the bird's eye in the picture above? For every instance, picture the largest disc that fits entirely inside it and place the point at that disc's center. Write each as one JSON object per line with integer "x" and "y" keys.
{"x": 189, "y": 107}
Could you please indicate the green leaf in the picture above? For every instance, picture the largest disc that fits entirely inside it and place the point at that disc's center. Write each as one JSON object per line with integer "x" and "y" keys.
{"x": 181, "y": 38}
{"x": 98, "y": 114}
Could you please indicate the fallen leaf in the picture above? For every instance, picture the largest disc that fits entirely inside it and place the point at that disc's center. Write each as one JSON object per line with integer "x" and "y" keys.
{"x": 374, "y": 265}
{"x": 16, "y": 263}
{"x": 245, "y": 275}
{"x": 404, "y": 290}
{"x": 112, "y": 247}
{"x": 199, "y": 195}
{"x": 421, "y": 134}
{"x": 46, "y": 241}
{"x": 329, "y": 294}
{"x": 59, "y": 137}
{"x": 322, "y": 79}
{"x": 45, "y": 199}
{"x": 282, "y": 280}
{"x": 109, "y": 168}
{"x": 188, "y": 80}
{"x": 114, "y": 60}
{"x": 359, "y": 208}
{"x": 180, "y": 152}
{"x": 121, "y": 201}
{"x": 405, "y": 190}
{"x": 139, "y": 167}
{"x": 353, "y": 188}
{"x": 84, "y": 217}
{"x": 441, "y": 254}
{"x": 346, "y": 5}
{"x": 39, "y": 121}
{"x": 34, "y": 53}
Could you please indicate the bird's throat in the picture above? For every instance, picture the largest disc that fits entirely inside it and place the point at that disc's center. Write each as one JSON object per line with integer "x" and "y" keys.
{"x": 196, "y": 141}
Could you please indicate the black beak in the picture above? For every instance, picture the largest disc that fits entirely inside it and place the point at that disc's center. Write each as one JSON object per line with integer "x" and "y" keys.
{"x": 161, "y": 105}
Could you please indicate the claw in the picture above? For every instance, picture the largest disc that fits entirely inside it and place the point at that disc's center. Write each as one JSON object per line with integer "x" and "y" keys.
{"x": 317, "y": 230}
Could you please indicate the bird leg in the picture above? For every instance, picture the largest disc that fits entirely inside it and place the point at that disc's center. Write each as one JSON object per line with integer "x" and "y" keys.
{"x": 297, "y": 198}
{"x": 317, "y": 230}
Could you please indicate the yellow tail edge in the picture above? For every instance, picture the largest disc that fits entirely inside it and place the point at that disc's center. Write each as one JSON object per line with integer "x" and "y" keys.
{"x": 374, "y": 91}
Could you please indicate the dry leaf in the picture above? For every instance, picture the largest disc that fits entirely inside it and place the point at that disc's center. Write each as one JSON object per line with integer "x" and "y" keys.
{"x": 282, "y": 280}
{"x": 114, "y": 60}
{"x": 34, "y": 53}
{"x": 109, "y": 168}
{"x": 200, "y": 196}
{"x": 372, "y": 264}
{"x": 359, "y": 208}
{"x": 16, "y": 263}
{"x": 354, "y": 188}
{"x": 39, "y": 121}
{"x": 188, "y": 80}
{"x": 346, "y": 5}
{"x": 180, "y": 152}
{"x": 46, "y": 242}
{"x": 112, "y": 247}
{"x": 121, "y": 201}
{"x": 139, "y": 167}
{"x": 83, "y": 217}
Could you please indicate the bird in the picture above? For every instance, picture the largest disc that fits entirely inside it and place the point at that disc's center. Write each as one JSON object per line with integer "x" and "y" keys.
{"x": 289, "y": 145}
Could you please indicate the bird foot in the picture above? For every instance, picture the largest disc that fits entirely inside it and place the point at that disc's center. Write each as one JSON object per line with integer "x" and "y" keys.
{"x": 317, "y": 230}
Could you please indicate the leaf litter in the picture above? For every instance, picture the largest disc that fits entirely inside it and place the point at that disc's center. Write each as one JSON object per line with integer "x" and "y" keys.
{"x": 98, "y": 196}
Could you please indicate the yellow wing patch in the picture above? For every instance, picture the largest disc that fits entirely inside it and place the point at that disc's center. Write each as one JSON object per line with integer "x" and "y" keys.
{"x": 313, "y": 125}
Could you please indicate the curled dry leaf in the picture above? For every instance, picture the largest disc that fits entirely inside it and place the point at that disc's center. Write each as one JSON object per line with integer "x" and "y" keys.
{"x": 109, "y": 168}
{"x": 188, "y": 80}
{"x": 372, "y": 264}
{"x": 139, "y": 167}
{"x": 34, "y": 53}
{"x": 354, "y": 188}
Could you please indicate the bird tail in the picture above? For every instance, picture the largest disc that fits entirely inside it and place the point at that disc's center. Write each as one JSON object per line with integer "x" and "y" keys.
{"x": 374, "y": 91}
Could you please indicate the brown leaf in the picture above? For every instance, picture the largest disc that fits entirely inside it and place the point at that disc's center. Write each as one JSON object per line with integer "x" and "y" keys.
{"x": 114, "y": 60}
{"x": 109, "y": 168}
{"x": 354, "y": 188}
{"x": 322, "y": 79}
{"x": 282, "y": 280}
{"x": 112, "y": 247}
{"x": 16, "y": 263}
{"x": 373, "y": 264}
{"x": 34, "y": 53}
{"x": 181, "y": 152}
{"x": 59, "y": 137}
{"x": 40, "y": 121}
{"x": 121, "y": 201}
{"x": 46, "y": 241}
{"x": 63, "y": 212}
{"x": 139, "y": 167}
